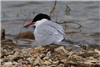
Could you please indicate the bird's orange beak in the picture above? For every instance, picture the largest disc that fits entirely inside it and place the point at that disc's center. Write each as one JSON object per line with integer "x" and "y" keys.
{"x": 26, "y": 26}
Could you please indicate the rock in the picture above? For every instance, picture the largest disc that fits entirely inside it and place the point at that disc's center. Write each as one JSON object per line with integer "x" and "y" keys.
{"x": 30, "y": 65}
{"x": 55, "y": 62}
{"x": 85, "y": 46}
{"x": 9, "y": 43}
{"x": 61, "y": 65}
{"x": 2, "y": 34}
{"x": 7, "y": 64}
{"x": 75, "y": 58}
{"x": 89, "y": 63}
{"x": 97, "y": 51}
{"x": 31, "y": 59}
{"x": 1, "y": 62}
{"x": 40, "y": 48}
{"x": 62, "y": 50}
{"x": 42, "y": 56}
{"x": 1, "y": 55}
{"x": 88, "y": 54}
{"x": 45, "y": 58}
{"x": 48, "y": 54}
{"x": 36, "y": 51}
{"x": 17, "y": 53}
{"x": 37, "y": 66}
{"x": 27, "y": 34}
{"x": 60, "y": 56}
{"x": 6, "y": 40}
{"x": 38, "y": 61}
{"x": 47, "y": 63}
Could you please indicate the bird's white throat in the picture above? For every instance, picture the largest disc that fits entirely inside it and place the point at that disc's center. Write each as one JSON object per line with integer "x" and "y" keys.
{"x": 40, "y": 22}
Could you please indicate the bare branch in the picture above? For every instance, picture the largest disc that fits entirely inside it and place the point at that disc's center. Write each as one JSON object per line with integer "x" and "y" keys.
{"x": 28, "y": 16}
{"x": 53, "y": 8}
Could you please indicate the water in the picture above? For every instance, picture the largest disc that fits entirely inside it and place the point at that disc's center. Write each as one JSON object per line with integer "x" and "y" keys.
{"x": 85, "y": 13}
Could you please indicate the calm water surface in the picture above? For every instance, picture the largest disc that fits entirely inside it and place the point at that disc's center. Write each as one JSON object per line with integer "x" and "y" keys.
{"x": 85, "y": 13}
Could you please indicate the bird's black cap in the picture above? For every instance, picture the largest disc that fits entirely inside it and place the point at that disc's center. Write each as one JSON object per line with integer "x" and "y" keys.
{"x": 40, "y": 17}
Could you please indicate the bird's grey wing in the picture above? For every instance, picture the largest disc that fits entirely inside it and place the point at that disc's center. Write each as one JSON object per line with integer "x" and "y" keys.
{"x": 46, "y": 34}
{"x": 60, "y": 29}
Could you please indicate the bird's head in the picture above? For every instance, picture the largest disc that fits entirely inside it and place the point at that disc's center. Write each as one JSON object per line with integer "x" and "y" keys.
{"x": 38, "y": 17}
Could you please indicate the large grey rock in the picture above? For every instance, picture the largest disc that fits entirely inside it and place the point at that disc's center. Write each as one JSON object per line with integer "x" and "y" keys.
{"x": 2, "y": 34}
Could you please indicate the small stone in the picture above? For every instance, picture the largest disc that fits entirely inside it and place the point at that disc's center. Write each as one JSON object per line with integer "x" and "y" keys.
{"x": 42, "y": 56}
{"x": 36, "y": 66}
{"x": 45, "y": 58}
{"x": 60, "y": 56}
{"x": 1, "y": 62}
{"x": 8, "y": 64}
{"x": 11, "y": 44}
{"x": 55, "y": 62}
{"x": 40, "y": 48}
{"x": 1, "y": 55}
{"x": 48, "y": 54}
{"x": 73, "y": 66}
{"x": 62, "y": 49}
{"x": 36, "y": 51}
{"x": 97, "y": 51}
{"x": 38, "y": 61}
{"x": 61, "y": 65}
{"x": 31, "y": 59}
{"x": 30, "y": 65}
{"x": 75, "y": 58}
{"x": 85, "y": 46}
{"x": 47, "y": 63}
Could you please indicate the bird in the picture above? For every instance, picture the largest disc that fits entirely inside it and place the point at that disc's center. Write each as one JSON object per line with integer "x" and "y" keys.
{"x": 46, "y": 31}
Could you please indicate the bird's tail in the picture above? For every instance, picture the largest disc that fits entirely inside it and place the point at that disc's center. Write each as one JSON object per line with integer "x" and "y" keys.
{"x": 69, "y": 42}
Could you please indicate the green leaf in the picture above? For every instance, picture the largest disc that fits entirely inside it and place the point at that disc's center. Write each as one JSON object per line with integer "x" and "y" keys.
{"x": 24, "y": 14}
{"x": 33, "y": 12}
{"x": 17, "y": 15}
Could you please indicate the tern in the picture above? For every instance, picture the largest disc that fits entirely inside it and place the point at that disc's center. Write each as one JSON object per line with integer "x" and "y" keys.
{"x": 47, "y": 32}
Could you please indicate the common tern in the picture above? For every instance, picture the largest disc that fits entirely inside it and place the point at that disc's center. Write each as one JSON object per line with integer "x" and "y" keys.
{"x": 47, "y": 32}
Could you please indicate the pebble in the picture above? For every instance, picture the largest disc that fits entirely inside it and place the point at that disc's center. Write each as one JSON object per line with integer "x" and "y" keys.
{"x": 38, "y": 61}
{"x": 7, "y": 64}
{"x": 61, "y": 49}
{"x": 47, "y": 63}
{"x": 97, "y": 51}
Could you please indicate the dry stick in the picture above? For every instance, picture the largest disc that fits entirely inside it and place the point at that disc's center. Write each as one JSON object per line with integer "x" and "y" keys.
{"x": 67, "y": 10}
{"x": 53, "y": 8}
{"x": 74, "y": 23}
{"x": 22, "y": 26}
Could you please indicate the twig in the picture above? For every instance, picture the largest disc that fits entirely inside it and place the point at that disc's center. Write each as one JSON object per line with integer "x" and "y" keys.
{"x": 67, "y": 10}
{"x": 23, "y": 25}
{"x": 70, "y": 22}
{"x": 75, "y": 23}
{"x": 53, "y": 8}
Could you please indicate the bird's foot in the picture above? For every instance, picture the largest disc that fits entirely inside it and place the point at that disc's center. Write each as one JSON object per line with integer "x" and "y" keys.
{"x": 51, "y": 51}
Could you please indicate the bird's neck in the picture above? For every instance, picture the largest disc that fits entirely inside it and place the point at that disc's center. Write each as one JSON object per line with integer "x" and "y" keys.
{"x": 38, "y": 23}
